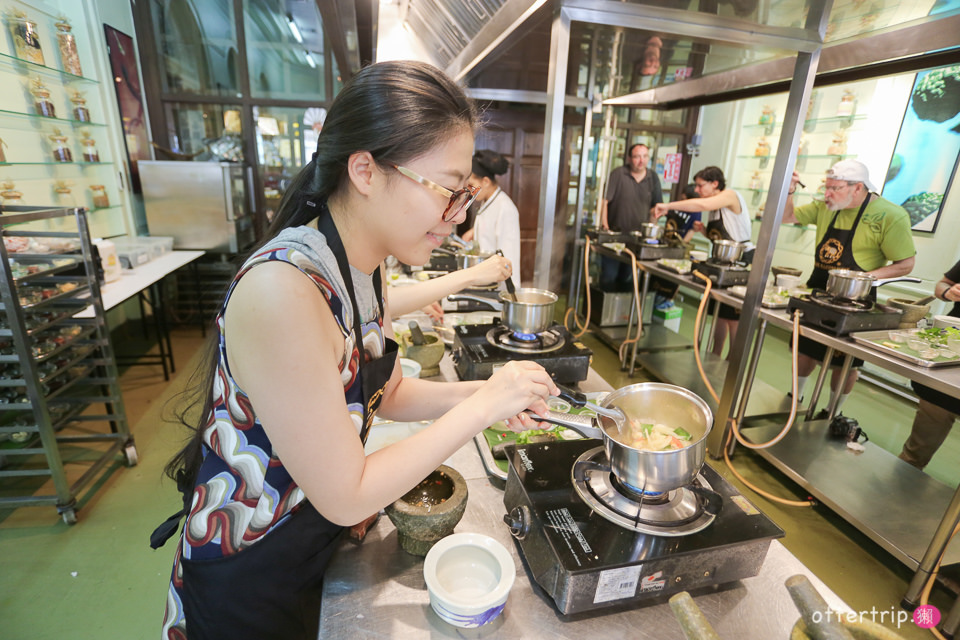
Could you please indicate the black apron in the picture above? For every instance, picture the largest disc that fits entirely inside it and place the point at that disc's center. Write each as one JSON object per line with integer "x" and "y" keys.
{"x": 834, "y": 251}
{"x": 273, "y": 588}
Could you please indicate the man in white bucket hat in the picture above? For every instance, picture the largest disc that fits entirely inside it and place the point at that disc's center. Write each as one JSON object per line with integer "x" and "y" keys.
{"x": 856, "y": 229}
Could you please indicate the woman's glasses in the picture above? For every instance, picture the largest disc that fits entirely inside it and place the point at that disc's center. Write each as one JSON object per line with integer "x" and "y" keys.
{"x": 459, "y": 199}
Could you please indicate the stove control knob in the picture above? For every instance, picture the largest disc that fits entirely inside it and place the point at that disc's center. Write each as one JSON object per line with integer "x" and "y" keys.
{"x": 519, "y": 522}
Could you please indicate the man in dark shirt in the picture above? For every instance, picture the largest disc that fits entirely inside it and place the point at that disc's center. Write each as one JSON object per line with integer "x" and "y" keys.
{"x": 632, "y": 191}
{"x": 936, "y": 411}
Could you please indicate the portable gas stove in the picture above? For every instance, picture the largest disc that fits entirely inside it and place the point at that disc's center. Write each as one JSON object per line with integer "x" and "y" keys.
{"x": 601, "y": 236}
{"x": 724, "y": 274}
{"x": 590, "y": 545}
{"x": 840, "y": 316}
{"x": 481, "y": 349}
{"x": 655, "y": 249}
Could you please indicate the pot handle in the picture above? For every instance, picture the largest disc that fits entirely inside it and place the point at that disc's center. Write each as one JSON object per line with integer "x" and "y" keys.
{"x": 493, "y": 304}
{"x": 881, "y": 281}
{"x": 583, "y": 424}
{"x": 712, "y": 501}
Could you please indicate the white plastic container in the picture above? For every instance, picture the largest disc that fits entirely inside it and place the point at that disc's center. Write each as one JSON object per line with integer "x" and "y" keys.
{"x": 109, "y": 259}
{"x": 132, "y": 252}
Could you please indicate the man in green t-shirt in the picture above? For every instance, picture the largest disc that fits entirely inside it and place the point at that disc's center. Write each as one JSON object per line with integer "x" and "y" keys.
{"x": 856, "y": 229}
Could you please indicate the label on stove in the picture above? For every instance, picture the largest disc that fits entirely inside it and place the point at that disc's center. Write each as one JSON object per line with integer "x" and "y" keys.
{"x": 561, "y": 520}
{"x": 744, "y": 505}
{"x": 616, "y": 584}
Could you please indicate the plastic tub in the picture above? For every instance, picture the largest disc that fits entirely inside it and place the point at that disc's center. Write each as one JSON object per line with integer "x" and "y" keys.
{"x": 158, "y": 245}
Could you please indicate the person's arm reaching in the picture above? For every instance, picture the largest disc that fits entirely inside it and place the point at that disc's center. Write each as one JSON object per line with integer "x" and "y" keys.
{"x": 409, "y": 298}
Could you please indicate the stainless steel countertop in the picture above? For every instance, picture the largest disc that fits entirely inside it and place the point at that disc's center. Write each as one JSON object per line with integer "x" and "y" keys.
{"x": 376, "y": 590}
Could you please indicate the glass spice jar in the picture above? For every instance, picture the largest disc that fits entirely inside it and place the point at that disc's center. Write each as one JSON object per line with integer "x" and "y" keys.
{"x": 9, "y": 195}
{"x": 25, "y": 39}
{"x": 68, "y": 48}
{"x": 61, "y": 152}
{"x": 3, "y": 157}
{"x": 41, "y": 95}
{"x": 63, "y": 193}
{"x": 90, "y": 153}
{"x": 100, "y": 198}
{"x": 80, "y": 111}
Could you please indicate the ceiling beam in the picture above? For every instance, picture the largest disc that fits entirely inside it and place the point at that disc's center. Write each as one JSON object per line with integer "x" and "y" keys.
{"x": 894, "y": 50}
{"x": 693, "y": 24}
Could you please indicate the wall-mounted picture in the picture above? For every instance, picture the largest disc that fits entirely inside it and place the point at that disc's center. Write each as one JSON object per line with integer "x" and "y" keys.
{"x": 928, "y": 146}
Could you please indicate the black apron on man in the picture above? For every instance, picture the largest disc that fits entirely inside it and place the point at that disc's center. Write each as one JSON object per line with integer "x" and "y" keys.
{"x": 273, "y": 588}
{"x": 834, "y": 251}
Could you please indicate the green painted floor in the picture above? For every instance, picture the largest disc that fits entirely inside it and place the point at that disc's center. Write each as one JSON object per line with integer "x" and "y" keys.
{"x": 99, "y": 578}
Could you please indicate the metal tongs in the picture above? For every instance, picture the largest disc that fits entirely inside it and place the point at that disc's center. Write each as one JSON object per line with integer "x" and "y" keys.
{"x": 578, "y": 399}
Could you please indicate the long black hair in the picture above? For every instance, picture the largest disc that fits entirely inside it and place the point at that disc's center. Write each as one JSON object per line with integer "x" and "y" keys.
{"x": 396, "y": 111}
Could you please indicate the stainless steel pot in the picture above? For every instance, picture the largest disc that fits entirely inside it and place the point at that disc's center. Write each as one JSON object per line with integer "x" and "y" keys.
{"x": 653, "y": 471}
{"x": 649, "y": 231}
{"x": 726, "y": 250}
{"x": 467, "y": 260}
{"x": 527, "y": 311}
{"x": 856, "y": 285}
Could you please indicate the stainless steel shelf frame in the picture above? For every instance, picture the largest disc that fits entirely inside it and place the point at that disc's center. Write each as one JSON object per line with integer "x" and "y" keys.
{"x": 55, "y": 404}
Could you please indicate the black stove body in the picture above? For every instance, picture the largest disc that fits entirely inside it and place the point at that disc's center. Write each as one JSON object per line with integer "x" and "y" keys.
{"x": 724, "y": 274}
{"x": 655, "y": 250}
{"x": 842, "y": 317}
{"x": 481, "y": 349}
{"x": 601, "y": 236}
{"x": 586, "y": 562}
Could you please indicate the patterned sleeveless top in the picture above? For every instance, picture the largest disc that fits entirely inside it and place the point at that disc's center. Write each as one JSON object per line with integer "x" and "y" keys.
{"x": 243, "y": 490}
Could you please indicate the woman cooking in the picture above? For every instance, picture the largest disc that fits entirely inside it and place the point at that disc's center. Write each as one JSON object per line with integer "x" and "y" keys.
{"x": 728, "y": 219}
{"x": 299, "y": 366}
{"x": 497, "y": 224}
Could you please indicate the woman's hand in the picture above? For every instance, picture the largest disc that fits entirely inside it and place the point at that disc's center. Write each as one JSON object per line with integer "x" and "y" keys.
{"x": 435, "y": 311}
{"x": 517, "y": 386}
{"x": 660, "y": 209}
{"x": 493, "y": 269}
{"x": 698, "y": 226}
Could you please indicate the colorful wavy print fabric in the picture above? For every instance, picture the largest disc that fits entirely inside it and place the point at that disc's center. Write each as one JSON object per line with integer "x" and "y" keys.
{"x": 243, "y": 489}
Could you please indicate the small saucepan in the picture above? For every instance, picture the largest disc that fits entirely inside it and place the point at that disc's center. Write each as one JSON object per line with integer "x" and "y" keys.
{"x": 856, "y": 285}
{"x": 648, "y": 232}
{"x": 646, "y": 402}
{"x": 526, "y": 311}
{"x": 726, "y": 250}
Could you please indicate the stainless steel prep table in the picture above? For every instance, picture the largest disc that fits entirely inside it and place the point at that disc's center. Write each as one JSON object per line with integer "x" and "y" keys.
{"x": 654, "y": 337}
{"x": 376, "y": 590}
{"x": 902, "y": 509}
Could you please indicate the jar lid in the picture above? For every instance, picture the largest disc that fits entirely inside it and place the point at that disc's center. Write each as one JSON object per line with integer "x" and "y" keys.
{"x": 97, "y": 187}
{"x": 90, "y": 142}
{"x": 63, "y": 25}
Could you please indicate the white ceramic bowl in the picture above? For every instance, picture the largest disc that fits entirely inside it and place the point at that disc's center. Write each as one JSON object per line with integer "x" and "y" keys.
{"x": 698, "y": 255}
{"x": 468, "y": 576}
{"x": 410, "y": 368}
{"x": 946, "y": 321}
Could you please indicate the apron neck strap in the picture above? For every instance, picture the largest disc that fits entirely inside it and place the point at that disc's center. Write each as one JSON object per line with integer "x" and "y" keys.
{"x": 328, "y": 228}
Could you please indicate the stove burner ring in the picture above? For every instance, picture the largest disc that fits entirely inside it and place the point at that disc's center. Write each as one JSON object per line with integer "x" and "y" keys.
{"x": 674, "y": 513}
{"x": 824, "y": 299}
{"x": 644, "y": 503}
{"x": 639, "y": 495}
{"x": 528, "y": 343}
